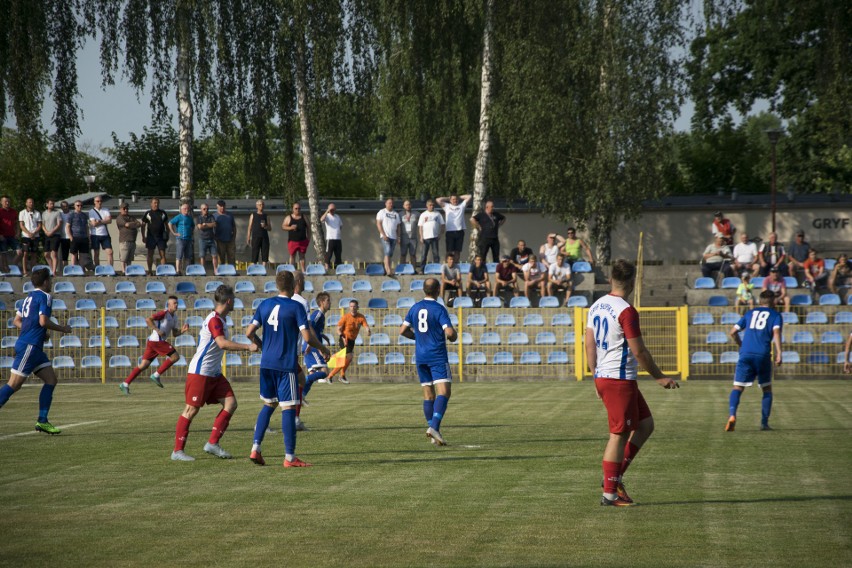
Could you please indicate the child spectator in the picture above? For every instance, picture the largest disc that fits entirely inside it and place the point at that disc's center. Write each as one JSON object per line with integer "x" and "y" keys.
{"x": 745, "y": 292}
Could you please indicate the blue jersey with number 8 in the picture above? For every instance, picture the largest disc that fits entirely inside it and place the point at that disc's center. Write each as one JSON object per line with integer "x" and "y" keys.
{"x": 759, "y": 325}
{"x": 428, "y": 319}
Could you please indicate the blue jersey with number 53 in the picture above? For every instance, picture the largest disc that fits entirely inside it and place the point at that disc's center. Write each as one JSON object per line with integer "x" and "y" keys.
{"x": 281, "y": 320}
{"x": 428, "y": 319}
{"x": 759, "y": 325}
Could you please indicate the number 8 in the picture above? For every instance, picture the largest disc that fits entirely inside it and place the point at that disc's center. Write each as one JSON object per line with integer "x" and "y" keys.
{"x": 422, "y": 324}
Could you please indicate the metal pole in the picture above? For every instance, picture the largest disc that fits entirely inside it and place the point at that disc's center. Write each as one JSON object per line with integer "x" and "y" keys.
{"x": 773, "y": 185}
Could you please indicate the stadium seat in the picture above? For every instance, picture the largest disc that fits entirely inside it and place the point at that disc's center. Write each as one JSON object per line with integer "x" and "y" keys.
{"x": 519, "y": 302}
{"x": 256, "y": 270}
{"x": 59, "y": 304}
{"x": 581, "y": 266}
{"x": 244, "y": 287}
{"x": 85, "y": 304}
{"x": 135, "y": 270}
{"x": 69, "y": 342}
{"x": 758, "y": 282}
{"x": 557, "y": 358}
{"x": 548, "y": 302}
{"x": 377, "y": 303}
{"x": 203, "y": 304}
{"x": 309, "y": 287}
{"x": 73, "y": 270}
{"x": 10, "y": 323}
{"x": 392, "y": 320}
{"x": 210, "y": 287}
{"x": 545, "y": 338}
{"x": 790, "y": 357}
{"x": 371, "y": 321}
{"x": 136, "y": 321}
{"x": 19, "y": 304}
{"x": 392, "y": 286}
{"x": 375, "y": 270}
{"x": 187, "y": 340}
{"x": 801, "y": 300}
{"x": 39, "y": 267}
{"x": 475, "y": 358}
{"x": 6, "y": 288}
{"x": 491, "y": 267}
{"x": 379, "y": 339}
{"x": 78, "y": 322}
{"x": 155, "y": 288}
{"x": 831, "y": 337}
{"x": 394, "y": 358}
{"x": 344, "y": 270}
{"x": 104, "y": 270}
{"x": 729, "y": 357}
{"x": 286, "y": 266}
{"x": 404, "y": 303}
{"x": 729, "y": 318}
{"x": 702, "y": 358}
{"x": 63, "y": 362}
{"x": 476, "y": 320}
{"x": 503, "y": 358}
{"x": 332, "y": 286}
{"x": 416, "y": 285}
{"x": 119, "y": 362}
{"x": 166, "y": 270}
{"x": 816, "y": 317}
{"x": 818, "y": 358}
{"x": 578, "y": 301}
{"x": 463, "y": 302}
{"x": 226, "y": 270}
{"x": 254, "y": 360}
{"x": 368, "y": 358}
{"x": 432, "y": 268}
{"x": 702, "y": 318}
{"x": 718, "y": 301}
{"x": 233, "y": 360}
{"x": 791, "y": 282}
{"x": 146, "y": 304}
{"x": 125, "y": 287}
{"x": 344, "y": 302}
{"x": 64, "y": 288}
{"x": 531, "y": 320}
{"x": 840, "y": 360}
{"x": 245, "y": 321}
{"x": 829, "y": 300}
{"x": 109, "y": 322}
{"x": 568, "y": 338}
{"x": 404, "y": 269}
{"x": 464, "y": 267}
{"x": 530, "y": 358}
{"x": 730, "y": 283}
{"x": 561, "y": 320}
{"x": 131, "y": 341}
{"x": 454, "y": 319}
{"x": 466, "y": 339}
{"x": 28, "y": 287}
{"x": 453, "y": 358}
{"x": 704, "y": 283}
{"x": 8, "y": 341}
{"x": 518, "y": 338}
{"x": 490, "y": 338}
{"x": 181, "y": 362}
{"x": 256, "y": 302}
{"x": 95, "y": 341}
{"x": 194, "y": 321}
{"x": 196, "y": 270}
{"x": 803, "y": 337}
{"x": 507, "y": 320}
{"x": 14, "y": 271}
{"x": 789, "y": 318}
{"x": 185, "y": 288}
{"x": 361, "y": 285}
{"x": 315, "y": 270}
{"x": 843, "y": 317}
{"x": 492, "y": 302}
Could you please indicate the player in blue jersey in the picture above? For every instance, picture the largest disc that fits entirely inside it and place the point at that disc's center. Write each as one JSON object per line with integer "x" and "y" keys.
{"x": 429, "y": 325}
{"x": 761, "y": 327}
{"x": 33, "y": 319}
{"x": 315, "y": 363}
{"x": 283, "y": 321}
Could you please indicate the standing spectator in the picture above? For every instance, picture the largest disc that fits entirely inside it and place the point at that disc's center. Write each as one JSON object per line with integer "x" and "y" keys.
{"x": 225, "y": 234}
{"x": 206, "y": 225}
{"x": 30, "y": 221}
{"x": 841, "y": 275}
{"x": 77, "y": 230}
{"x": 559, "y": 277}
{"x": 775, "y": 283}
{"x": 408, "y": 234}
{"x": 535, "y": 276}
{"x": 717, "y": 257}
{"x": 51, "y": 220}
{"x": 798, "y": 253}
{"x": 550, "y": 250}
{"x": 257, "y": 235}
{"x": 488, "y": 223}
{"x": 431, "y": 224}
{"x": 478, "y": 282}
{"x": 454, "y": 218}
{"x": 155, "y": 233}
{"x": 745, "y": 257}
{"x": 772, "y": 255}
{"x": 814, "y": 269}
{"x": 64, "y": 241}
{"x": 745, "y": 292}
{"x": 451, "y": 279}
{"x": 572, "y": 245}
{"x": 722, "y": 227}
{"x": 299, "y": 235}
{"x": 387, "y": 221}
{"x": 333, "y": 224}
{"x": 9, "y": 228}
{"x": 128, "y": 229}
{"x": 504, "y": 277}
{"x": 183, "y": 227}
{"x": 99, "y": 218}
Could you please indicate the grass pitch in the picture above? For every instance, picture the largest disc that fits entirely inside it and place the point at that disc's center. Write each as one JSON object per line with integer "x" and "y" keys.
{"x": 518, "y": 486}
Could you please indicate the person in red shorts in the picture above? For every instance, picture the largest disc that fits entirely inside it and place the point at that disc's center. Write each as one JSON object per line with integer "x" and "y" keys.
{"x": 615, "y": 349}
{"x": 162, "y": 324}
{"x": 205, "y": 383}
{"x": 298, "y": 234}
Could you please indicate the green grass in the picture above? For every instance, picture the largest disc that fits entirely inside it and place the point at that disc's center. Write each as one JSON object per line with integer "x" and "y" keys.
{"x": 518, "y": 486}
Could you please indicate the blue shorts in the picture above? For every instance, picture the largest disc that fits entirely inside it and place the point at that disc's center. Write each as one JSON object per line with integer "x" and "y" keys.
{"x": 28, "y": 360}
{"x": 279, "y": 386}
{"x": 750, "y": 366}
{"x": 387, "y": 247}
{"x": 9, "y": 244}
{"x": 183, "y": 250}
{"x": 103, "y": 242}
{"x": 431, "y": 373}
{"x": 208, "y": 247}
{"x": 314, "y": 359}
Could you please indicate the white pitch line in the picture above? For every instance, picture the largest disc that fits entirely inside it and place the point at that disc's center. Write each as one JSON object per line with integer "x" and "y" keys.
{"x": 61, "y": 427}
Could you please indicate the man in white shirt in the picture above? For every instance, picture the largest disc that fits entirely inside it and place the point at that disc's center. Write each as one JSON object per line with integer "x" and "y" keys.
{"x": 535, "y": 277}
{"x": 559, "y": 277}
{"x": 408, "y": 236}
{"x": 430, "y": 223}
{"x": 745, "y": 256}
{"x": 387, "y": 221}
{"x": 99, "y": 218}
{"x": 30, "y": 222}
{"x": 332, "y": 223}
{"x": 454, "y": 214}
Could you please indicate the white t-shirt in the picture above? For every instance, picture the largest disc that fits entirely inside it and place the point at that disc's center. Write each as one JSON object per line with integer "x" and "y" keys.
{"x": 30, "y": 219}
{"x": 101, "y": 214}
{"x": 431, "y": 222}
{"x": 333, "y": 224}
{"x": 390, "y": 222}
{"x": 207, "y": 360}
{"x": 455, "y": 215}
{"x": 534, "y": 271}
{"x": 745, "y": 253}
{"x": 550, "y": 253}
{"x": 559, "y": 272}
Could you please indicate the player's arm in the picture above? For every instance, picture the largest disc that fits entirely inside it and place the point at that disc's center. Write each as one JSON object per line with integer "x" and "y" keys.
{"x": 640, "y": 351}
{"x": 776, "y": 340}
{"x": 229, "y": 345}
{"x": 251, "y": 333}
{"x": 847, "y": 366}
{"x": 311, "y": 339}
{"x": 591, "y": 350}
{"x": 184, "y": 328}
{"x": 45, "y": 322}
{"x": 406, "y": 331}
{"x": 735, "y": 335}
{"x": 19, "y": 320}
{"x": 366, "y": 325}
{"x": 150, "y": 321}
{"x": 451, "y": 333}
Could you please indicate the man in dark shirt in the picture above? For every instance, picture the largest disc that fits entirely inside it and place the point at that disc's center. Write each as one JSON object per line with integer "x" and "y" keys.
{"x": 478, "y": 283}
{"x": 226, "y": 234}
{"x": 77, "y": 230}
{"x": 206, "y": 225}
{"x": 128, "y": 228}
{"x": 505, "y": 276}
{"x": 155, "y": 232}
{"x": 488, "y": 223}
{"x": 798, "y": 253}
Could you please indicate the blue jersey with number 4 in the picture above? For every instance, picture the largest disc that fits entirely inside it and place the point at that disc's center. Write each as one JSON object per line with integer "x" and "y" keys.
{"x": 428, "y": 319}
{"x": 282, "y": 320}
{"x": 759, "y": 325}
{"x": 32, "y": 333}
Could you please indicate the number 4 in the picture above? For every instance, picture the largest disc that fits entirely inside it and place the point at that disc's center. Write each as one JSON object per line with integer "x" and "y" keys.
{"x": 273, "y": 318}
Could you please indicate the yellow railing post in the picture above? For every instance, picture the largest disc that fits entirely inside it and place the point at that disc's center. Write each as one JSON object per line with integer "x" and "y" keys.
{"x": 103, "y": 345}
{"x": 637, "y": 297}
{"x": 460, "y": 348}
{"x": 683, "y": 341}
{"x": 579, "y": 334}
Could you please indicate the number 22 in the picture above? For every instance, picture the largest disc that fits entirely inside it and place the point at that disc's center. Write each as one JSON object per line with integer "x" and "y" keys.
{"x": 601, "y": 332}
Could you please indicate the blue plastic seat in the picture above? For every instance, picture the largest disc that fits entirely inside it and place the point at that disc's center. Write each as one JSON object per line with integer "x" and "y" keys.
{"x": 432, "y": 268}
{"x": 195, "y": 321}
{"x": 476, "y": 320}
{"x": 120, "y": 362}
{"x": 155, "y": 288}
{"x": 254, "y": 360}
{"x": 104, "y": 270}
{"x": 286, "y": 266}
{"x": 185, "y": 288}
{"x": 702, "y": 358}
{"x": 518, "y": 338}
{"x": 568, "y": 338}
{"x": 561, "y": 320}
{"x": 548, "y": 302}
{"x": 244, "y": 287}
{"x": 393, "y": 286}
{"x": 519, "y": 302}
{"x": 840, "y": 360}
{"x": 73, "y": 270}
{"x": 196, "y": 270}
{"x": 38, "y": 267}
{"x": 64, "y": 287}
{"x": 530, "y": 358}
{"x": 109, "y": 322}
{"x": 577, "y": 301}
{"x": 704, "y": 283}
{"x": 59, "y": 304}
{"x": 581, "y": 266}
{"x": 718, "y": 301}
{"x": 475, "y": 358}
{"x": 454, "y": 319}
{"x": 702, "y": 318}
{"x": 729, "y": 318}
{"x": 791, "y": 282}
{"x": 95, "y": 342}
{"x": 256, "y": 302}
{"x": 503, "y": 358}
{"x": 490, "y": 338}
{"x": 166, "y": 270}
{"x": 69, "y": 342}
{"x": 78, "y": 322}
{"x": 816, "y": 317}
{"x": 380, "y": 339}
{"x": 466, "y": 339}
{"x": 843, "y": 317}
{"x": 136, "y": 321}
{"x": 210, "y": 286}
{"x": 203, "y": 304}
{"x": 404, "y": 269}
{"x": 463, "y": 302}
{"x": 557, "y": 358}
{"x": 803, "y": 337}
{"x": 801, "y": 300}
{"x": 545, "y": 338}
{"x": 125, "y": 287}
{"x": 85, "y": 304}
{"x": 829, "y": 300}
{"x": 6, "y": 288}
{"x": 491, "y": 267}
{"x": 492, "y": 302}
{"x": 315, "y": 270}
{"x": 464, "y": 267}
{"x": 368, "y": 358}
{"x": 187, "y": 340}
{"x": 63, "y": 362}
{"x": 416, "y": 285}
{"x": 730, "y": 283}
{"x": 758, "y": 282}
{"x": 394, "y": 358}
{"x": 404, "y": 303}
{"x": 256, "y": 270}
{"x": 344, "y": 270}
{"x": 226, "y": 270}
{"x": 377, "y": 303}
{"x": 790, "y": 357}
{"x": 375, "y": 270}
{"x": 453, "y": 358}
{"x": 131, "y": 341}
{"x": 233, "y": 360}
{"x": 831, "y": 337}
{"x": 245, "y": 321}
{"x": 361, "y": 285}
{"x": 28, "y": 287}
{"x": 531, "y": 320}
{"x": 146, "y": 304}
{"x": 728, "y": 357}
{"x": 344, "y": 302}
{"x": 8, "y": 341}
{"x": 135, "y": 270}
{"x": 309, "y": 287}
{"x": 789, "y": 318}
{"x": 507, "y": 320}
{"x": 332, "y": 286}
{"x": 818, "y": 358}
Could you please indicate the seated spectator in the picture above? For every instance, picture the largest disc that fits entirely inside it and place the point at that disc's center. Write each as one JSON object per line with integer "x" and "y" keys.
{"x": 723, "y": 227}
{"x": 478, "y": 282}
{"x": 535, "y": 276}
{"x": 814, "y": 268}
{"x": 559, "y": 277}
{"x": 745, "y": 292}
{"x": 520, "y": 255}
{"x": 451, "y": 279}
{"x": 745, "y": 256}
{"x": 841, "y": 275}
{"x": 772, "y": 254}
{"x": 571, "y": 247}
{"x": 548, "y": 251}
{"x": 775, "y": 283}
{"x": 504, "y": 279}
{"x": 717, "y": 257}
{"x": 797, "y": 254}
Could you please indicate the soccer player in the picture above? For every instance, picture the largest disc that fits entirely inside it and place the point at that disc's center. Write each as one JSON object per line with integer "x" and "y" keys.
{"x": 348, "y": 327}
{"x": 315, "y": 363}
{"x": 283, "y": 321}
{"x": 205, "y": 383}
{"x": 761, "y": 327}
{"x": 162, "y": 324}
{"x": 847, "y": 364}
{"x": 298, "y": 288}
{"x": 33, "y": 319}
{"x": 428, "y": 324}
{"x": 615, "y": 349}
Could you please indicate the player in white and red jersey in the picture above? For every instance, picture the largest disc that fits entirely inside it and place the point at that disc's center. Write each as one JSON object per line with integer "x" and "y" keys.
{"x": 615, "y": 349}
{"x": 162, "y": 324}
{"x": 205, "y": 383}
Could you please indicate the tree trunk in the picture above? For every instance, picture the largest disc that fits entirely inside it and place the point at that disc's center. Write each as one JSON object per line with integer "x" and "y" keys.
{"x": 602, "y": 235}
{"x": 480, "y": 176}
{"x": 185, "y": 133}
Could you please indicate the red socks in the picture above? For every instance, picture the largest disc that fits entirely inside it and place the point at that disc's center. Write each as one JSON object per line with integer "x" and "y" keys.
{"x": 219, "y": 426}
{"x": 181, "y": 433}
{"x": 165, "y": 365}
{"x": 630, "y": 451}
{"x": 611, "y": 471}
{"x": 133, "y": 374}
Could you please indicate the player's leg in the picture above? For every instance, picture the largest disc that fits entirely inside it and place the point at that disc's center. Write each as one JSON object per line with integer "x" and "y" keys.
{"x": 766, "y": 407}
{"x": 171, "y": 358}
{"x": 220, "y": 391}
{"x": 288, "y": 399}
{"x": 743, "y": 377}
{"x": 442, "y": 381}
{"x": 269, "y": 396}
{"x": 12, "y": 386}
{"x": 318, "y": 367}
{"x": 125, "y": 386}
{"x": 182, "y": 427}
{"x": 45, "y": 398}
{"x": 621, "y": 399}
{"x": 350, "y": 355}
{"x": 428, "y": 399}
{"x": 300, "y": 379}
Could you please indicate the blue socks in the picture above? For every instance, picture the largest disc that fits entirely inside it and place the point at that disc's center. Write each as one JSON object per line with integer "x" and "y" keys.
{"x": 311, "y": 379}
{"x": 45, "y": 398}
{"x": 5, "y": 393}
{"x": 766, "y": 408}
{"x": 262, "y": 423}
{"x": 439, "y": 410}
{"x": 734, "y": 401}
{"x": 288, "y": 427}
{"x": 428, "y": 409}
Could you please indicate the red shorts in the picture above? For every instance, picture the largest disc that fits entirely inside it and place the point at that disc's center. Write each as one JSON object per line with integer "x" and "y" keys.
{"x": 625, "y": 405}
{"x": 201, "y": 390}
{"x": 297, "y": 246}
{"x": 154, "y": 349}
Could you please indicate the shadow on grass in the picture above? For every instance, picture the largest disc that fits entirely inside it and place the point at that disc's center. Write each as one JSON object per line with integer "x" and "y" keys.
{"x": 787, "y": 499}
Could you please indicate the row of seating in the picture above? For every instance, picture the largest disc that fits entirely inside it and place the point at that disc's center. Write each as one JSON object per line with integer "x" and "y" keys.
{"x": 788, "y": 358}
{"x": 805, "y": 337}
{"x": 790, "y": 318}
{"x": 795, "y": 300}
{"x": 732, "y": 282}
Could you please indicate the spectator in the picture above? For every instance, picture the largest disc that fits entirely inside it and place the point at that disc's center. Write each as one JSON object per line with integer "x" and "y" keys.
{"x": 451, "y": 279}
{"x": 64, "y": 241}
{"x": 572, "y": 245}
{"x": 488, "y": 223}
{"x": 182, "y": 227}
{"x": 745, "y": 292}
{"x": 51, "y": 222}
{"x": 559, "y": 277}
{"x": 298, "y": 235}
{"x": 128, "y": 228}
{"x": 519, "y": 256}
{"x": 775, "y": 283}
{"x": 535, "y": 276}
{"x": 723, "y": 227}
{"x": 745, "y": 257}
{"x": 155, "y": 233}
{"x": 333, "y": 224}
{"x": 798, "y": 253}
{"x": 717, "y": 257}
{"x": 30, "y": 221}
{"x": 814, "y": 269}
{"x": 431, "y": 224}
{"x": 206, "y": 225}
{"x": 9, "y": 228}
{"x": 772, "y": 255}
{"x": 257, "y": 235}
{"x": 408, "y": 234}
{"x": 478, "y": 282}
{"x": 77, "y": 230}
{"x": 549, "y": 250}
{"x": 225, "y": 234}
{"x": 504, "y": 278}
{"x": 454, "y": 218}
{"x": 387, "y": 221}
{"x": 99, "y": 218}
{"x": 841, "y": 275}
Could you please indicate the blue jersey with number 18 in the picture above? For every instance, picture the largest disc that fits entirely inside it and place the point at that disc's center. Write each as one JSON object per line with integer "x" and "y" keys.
{"x": 282, "y": 320}
{"x": 759, "y": 325}
{"x": 428, "y": 319}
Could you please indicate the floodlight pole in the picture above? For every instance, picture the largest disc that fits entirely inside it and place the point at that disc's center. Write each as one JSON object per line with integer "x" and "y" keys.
{"x": 774, "y": 136}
